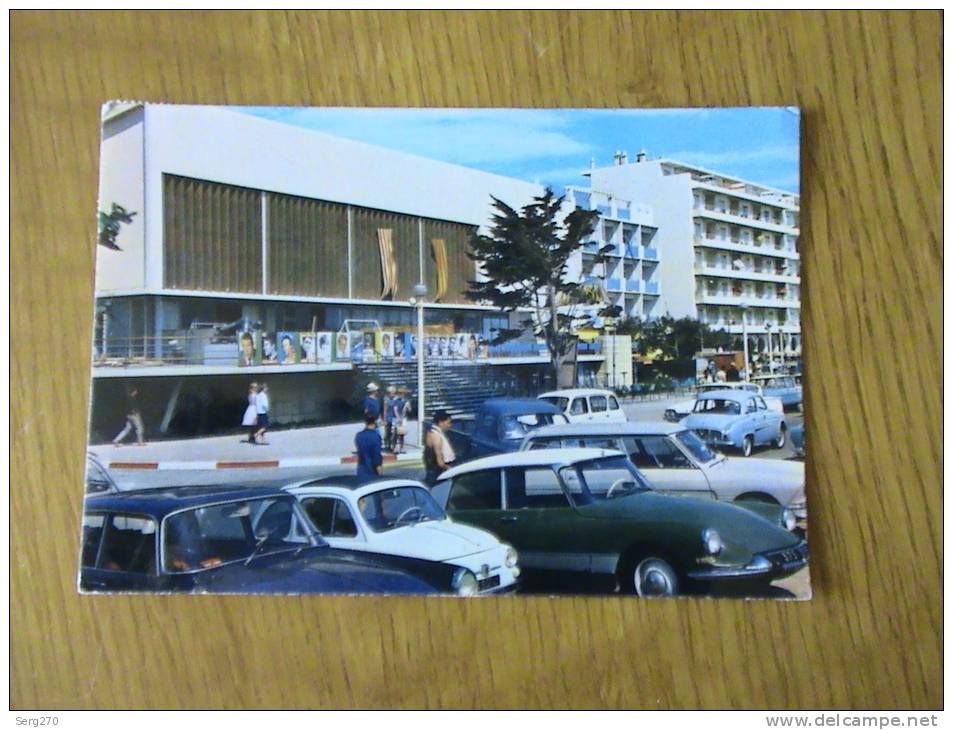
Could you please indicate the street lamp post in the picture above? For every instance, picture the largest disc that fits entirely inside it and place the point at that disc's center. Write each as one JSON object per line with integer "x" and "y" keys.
{"x": 420, "y": 292}
{"x": 767, "y": 328}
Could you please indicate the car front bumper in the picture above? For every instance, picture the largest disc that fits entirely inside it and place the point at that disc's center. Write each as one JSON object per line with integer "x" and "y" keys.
{"x": 769, "y": 565}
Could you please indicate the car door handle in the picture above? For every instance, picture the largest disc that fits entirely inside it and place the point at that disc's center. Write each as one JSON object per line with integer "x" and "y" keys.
{"x": 509, "y": 518}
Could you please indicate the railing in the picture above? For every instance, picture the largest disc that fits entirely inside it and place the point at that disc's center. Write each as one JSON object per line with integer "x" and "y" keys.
{"x": 622, "y": 213}
{"x": 651, "y": 287}
{"x": 614, "y": 284}
{"x": 634, "y": 286}
{"x": 203, "y": 350}
{"x": 651, "y": 253}
{"x": 604, "y": 209}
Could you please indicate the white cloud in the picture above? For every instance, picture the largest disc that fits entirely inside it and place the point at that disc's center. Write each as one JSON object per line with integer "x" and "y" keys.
{"x": 463, "y": 136}
{"x": 770, "y": 153}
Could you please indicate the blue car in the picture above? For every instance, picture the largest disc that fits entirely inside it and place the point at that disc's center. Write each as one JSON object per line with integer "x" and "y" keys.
{"x": 500, "y": 425}
{"x": 738, "y": 419}
{"x": 784, "y": 387}
{"x": 220, "y": 540}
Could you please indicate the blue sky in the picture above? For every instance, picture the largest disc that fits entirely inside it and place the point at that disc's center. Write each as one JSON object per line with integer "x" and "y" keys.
{"x": 552, "y": 146}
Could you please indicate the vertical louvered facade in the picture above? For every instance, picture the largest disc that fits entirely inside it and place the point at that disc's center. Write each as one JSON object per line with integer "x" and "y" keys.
{"x": 366, "y": 253}
{"x": 225, "y": 238}
{"x": 213, "y": 236}
{"x": 307, "y": 247}
{"x": 460, "y": 269}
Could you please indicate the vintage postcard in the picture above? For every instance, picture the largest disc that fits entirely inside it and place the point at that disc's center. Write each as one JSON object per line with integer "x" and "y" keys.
{"x": 451, "y": 352}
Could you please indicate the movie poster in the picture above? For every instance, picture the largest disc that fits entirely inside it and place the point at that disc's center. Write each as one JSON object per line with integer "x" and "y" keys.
{"x": 370, "y": 347}
{"x": 357, "y": 346}
{"x": 385, "y": 344}
{"x": 433, "y": 347}
{"x": 342, "y": 346}
{"x": 323, "y": 352}
{"x": 308, "y": 352}
{"x": 288, "y": 348}
{"x": 269, "y": 349}
{"x": 249, "y": 349}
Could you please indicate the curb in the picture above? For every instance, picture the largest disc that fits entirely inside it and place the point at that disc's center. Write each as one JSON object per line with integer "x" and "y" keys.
{"x": 259, "y": 464}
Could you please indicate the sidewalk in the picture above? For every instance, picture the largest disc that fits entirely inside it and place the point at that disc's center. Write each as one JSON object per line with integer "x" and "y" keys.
{"x": 300, "y": 447}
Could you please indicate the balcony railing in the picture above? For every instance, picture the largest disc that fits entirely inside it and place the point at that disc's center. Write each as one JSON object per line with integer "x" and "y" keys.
{"x": 651, "y": 287}
{"x": 752, "y": 248}
{"x": 650, "y": 253}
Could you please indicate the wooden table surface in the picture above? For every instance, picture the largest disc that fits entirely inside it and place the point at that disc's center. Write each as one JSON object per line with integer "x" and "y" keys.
{"x": 869, "y": 85}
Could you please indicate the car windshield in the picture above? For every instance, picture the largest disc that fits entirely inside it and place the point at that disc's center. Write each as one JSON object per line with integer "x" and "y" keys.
{"x": 516, "y": 427}
{"x": 557, "y": 401}
{"x": 717, "y": 406}
{"x": 696, "y": 447}
{"x": 206, "y": 537}
{"x": 391, "y": 508}
{"x": 602, "y": 479}
{"x": 717, "y": 386}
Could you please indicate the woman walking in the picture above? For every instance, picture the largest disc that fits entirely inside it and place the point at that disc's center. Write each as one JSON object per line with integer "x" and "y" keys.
{"x": 261, "y": 407}
{"x": 250, "y": 418}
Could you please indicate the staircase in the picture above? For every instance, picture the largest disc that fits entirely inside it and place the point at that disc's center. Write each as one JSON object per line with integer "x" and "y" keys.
{"x": 457, "y": 389}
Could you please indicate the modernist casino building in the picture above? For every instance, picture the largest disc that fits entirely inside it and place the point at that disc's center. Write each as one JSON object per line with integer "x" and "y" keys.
{"x": 248, "y": 225}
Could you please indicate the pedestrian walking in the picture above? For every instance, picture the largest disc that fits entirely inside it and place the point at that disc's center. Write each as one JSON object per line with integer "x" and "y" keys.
{"x": 370, "y": 460}
{"x": 133, "y": 419}
{"x": 262, "y": 407}
{"x": 720, "y": 376}
{"x": 401, "y": 414}
{"x": 438, "y": 453}
{"x": 250, "y": 417}
{"x": 390, "y": 400}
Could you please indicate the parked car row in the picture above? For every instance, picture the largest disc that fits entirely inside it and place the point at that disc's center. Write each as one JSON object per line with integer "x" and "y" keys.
{"x": 566, "y": 518}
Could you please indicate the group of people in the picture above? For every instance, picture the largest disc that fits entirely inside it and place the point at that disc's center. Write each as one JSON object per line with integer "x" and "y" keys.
{"x": 255, "y": 418}
{"x": 714, "y": 374}
{"x": 394, "y": 411}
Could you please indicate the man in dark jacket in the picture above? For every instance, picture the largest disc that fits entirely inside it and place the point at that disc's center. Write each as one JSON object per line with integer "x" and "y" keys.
{"x": 370, "y": 460}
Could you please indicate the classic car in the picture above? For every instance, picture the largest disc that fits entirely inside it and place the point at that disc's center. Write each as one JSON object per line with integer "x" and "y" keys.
{"x": 586, "y": 517}
{"x": 220, "y": 540}
{"x": 586, "y": 404}
{"x": 98, "y": 478}
{"x": 736, "y": 419}
{"x": 677, "y": 411}
{"x": 499, "y": 426}
{"x": 783, "y": 387}
{"x": 398, "y": 521}
{"x": 676, "y": 461}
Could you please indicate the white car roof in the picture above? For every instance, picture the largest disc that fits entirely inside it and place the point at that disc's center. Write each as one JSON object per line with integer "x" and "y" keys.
{"x": 573, "y": 392}
{"x": 541, "y": 457}
{"x": 349, "y": 484}
{"x": 605, "y": 428}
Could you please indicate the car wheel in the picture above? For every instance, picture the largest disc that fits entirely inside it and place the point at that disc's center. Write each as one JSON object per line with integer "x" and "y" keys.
{"x": 654, "y": 578}
{"x": 782, "y": 437}
{"x": 747, "y": 446}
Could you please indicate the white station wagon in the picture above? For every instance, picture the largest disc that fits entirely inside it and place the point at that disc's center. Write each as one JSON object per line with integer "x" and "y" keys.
{"x": 585, "y": 405}
{"x": 400, "y": 522}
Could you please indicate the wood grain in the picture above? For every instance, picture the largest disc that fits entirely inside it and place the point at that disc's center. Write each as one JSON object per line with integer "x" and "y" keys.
{"x": 869, "y": 85}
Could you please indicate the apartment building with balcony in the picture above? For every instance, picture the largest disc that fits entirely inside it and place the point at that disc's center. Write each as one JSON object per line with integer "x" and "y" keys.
{"x": 247, "y": 224}
{"x": 620, "y": 258}
{"x": 729, "y": 247}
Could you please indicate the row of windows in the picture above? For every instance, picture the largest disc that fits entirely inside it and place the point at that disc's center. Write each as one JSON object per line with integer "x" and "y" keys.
{"x": 214, "y": 235}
